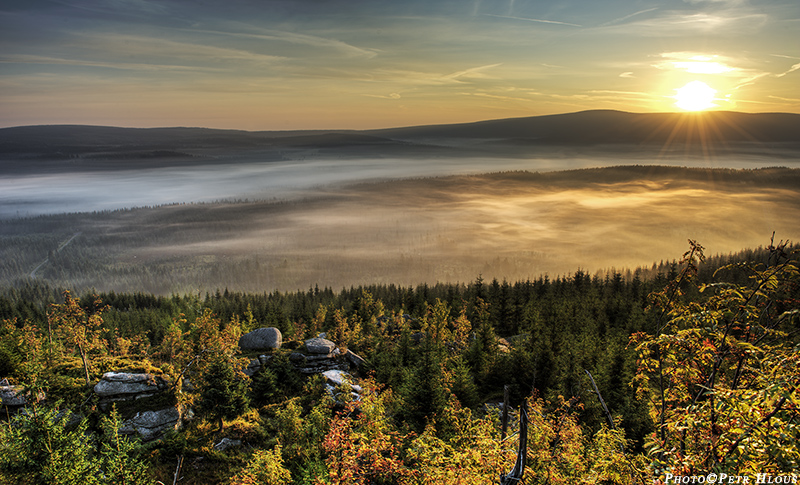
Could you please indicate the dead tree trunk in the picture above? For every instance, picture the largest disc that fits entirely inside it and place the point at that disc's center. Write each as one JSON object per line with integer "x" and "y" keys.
{"x": 514, "y": 477}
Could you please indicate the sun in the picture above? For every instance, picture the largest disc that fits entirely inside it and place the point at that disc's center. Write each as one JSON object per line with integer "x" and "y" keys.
{"x": 695, "y": 96}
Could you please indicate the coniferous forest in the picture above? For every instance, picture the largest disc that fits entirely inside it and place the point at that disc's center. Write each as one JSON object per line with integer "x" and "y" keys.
{"x": 688, "y": 367}
{"x": 415, "y": 242}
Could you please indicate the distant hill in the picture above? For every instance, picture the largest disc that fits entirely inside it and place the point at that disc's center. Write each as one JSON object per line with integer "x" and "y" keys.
{"x": 505, "y": 137}
{"x": 618, "y": 127}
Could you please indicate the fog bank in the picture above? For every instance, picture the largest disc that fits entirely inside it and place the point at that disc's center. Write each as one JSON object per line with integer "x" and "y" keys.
{"x": 23, "y": 195}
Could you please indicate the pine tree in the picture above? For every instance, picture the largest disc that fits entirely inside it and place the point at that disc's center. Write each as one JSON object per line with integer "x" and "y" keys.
{"x": 42, "y": 447}
{"x": 119, "y": 462}
{"x": 224, "y": 391}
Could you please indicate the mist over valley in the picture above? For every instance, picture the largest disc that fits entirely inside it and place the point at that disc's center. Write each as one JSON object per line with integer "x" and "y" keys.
{"x": 184, "y": 210}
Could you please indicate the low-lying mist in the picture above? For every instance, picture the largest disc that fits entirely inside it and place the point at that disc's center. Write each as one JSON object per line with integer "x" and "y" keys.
{"x": 512, "y": 225}
{"x": 62, "y": 188}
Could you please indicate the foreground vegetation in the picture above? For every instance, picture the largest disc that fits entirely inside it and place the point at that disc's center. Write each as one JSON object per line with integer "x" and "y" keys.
{"x": 696, "y": 360}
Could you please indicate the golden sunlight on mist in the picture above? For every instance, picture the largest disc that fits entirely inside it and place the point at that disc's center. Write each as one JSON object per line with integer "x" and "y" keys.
{"x": 513, "y": 226}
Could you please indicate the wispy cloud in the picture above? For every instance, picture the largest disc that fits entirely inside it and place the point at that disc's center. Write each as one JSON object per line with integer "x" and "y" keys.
{"x": 794, "y": 100}
{"x": 794, "y": 67}
{"x": 295, "y": 38}
{"x": 698, "y": 63}
{"x": 726, "y": 2}
{"x": 626, "y": 17}
{"x": 33, "y": 59}
{"x": 495, "y": 96}
{"x": 390, "y": 96}
{"x": 117, "y": 46}
{"x": 473, "y": 72}
{"x": 791, "y": 69}
{"x": 118, "y": 7}
{"x": 680, "y": 24}
{"x": 403, "y": 77}
{"x": 526, "y": 19}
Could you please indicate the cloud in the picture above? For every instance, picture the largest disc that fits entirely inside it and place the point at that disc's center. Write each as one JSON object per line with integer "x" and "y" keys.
{"x": 33, "y": 59}
{"x": 627, "y": 74}
{"x": 791, "y": 69}
{"x": 300, "y": 39}
{"x": 626, "y": 17}
{"x": 526, "y": 19}
{"x": 496, "y": 96}
{"x": 118, "y": 7}
{"x": 390, "y": 96}
{"x": 473, "y": 72}
{"x": 401, "y": 76}
{"x": 697, "y": 63}
{"x": 681, "y": 24}
{"x": 138, "y": 46}
{"x": 726, "y": 2}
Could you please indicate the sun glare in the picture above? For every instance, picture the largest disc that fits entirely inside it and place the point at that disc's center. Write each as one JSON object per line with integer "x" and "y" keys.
{"x": 695, "y": 96}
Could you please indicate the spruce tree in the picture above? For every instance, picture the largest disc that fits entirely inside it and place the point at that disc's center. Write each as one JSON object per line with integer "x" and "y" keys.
{"x": 224, "y": 391}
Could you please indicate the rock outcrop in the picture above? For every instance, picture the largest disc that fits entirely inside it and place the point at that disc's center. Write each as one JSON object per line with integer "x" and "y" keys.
{"x": 255, "y": 365}
{"x": 226, "y": 443}
{"x": 124, "y": 386}
{"x": 319, "y": 356}
{"x": 15, "y": 398}
{"x": 337, "y": 381}
{"x": 319, "y": 345}
{"x": 152, "y": 424}
{"x": 261, "y": 339}
{"x": 146, "y": 405}
{"x": 503, "y": 345}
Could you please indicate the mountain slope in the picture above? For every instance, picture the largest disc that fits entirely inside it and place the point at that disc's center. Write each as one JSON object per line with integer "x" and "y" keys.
{"x": 604, "y": 126}
{"x": 588, "y": 128}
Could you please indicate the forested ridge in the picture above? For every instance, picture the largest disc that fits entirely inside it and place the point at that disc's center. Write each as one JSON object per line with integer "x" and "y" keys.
{"x": 696, "y": 358}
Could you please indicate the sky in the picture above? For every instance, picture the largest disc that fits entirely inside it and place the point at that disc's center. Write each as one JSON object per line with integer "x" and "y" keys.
{"x": 361, "y": 64}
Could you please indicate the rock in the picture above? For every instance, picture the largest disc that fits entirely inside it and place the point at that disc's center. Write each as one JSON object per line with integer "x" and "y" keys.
{"x": 12, "y": 396}
{"x": 336, "y": 379}
{"x": 226, "y": 443}
{"x": 354, "y": 358}
{"x": 339, "y": 378}
{"x": 123, "y": 386}
{"x": 123, "y": 383}
{"x": 261, "y": 338}
{"x": 320, "y": 355}
{"x": 518, "y": 340}
{"x": 152, "y": 424}
{"x": 15, "y": 396}
{"x": 316, "y": 364}
{"x": 319, "y": 345}
{"x": 252, "y": 368}
{"x": 503, "y": 345}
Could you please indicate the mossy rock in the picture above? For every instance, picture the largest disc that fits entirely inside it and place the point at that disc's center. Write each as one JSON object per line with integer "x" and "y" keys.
{"x": 124, "y": 364}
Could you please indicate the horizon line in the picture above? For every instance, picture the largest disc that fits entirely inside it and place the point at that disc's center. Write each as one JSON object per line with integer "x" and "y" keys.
{"x": 329, "y": 130}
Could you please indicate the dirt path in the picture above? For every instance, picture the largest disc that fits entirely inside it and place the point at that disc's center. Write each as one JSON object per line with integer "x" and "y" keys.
{"x": 46, "y": 260}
